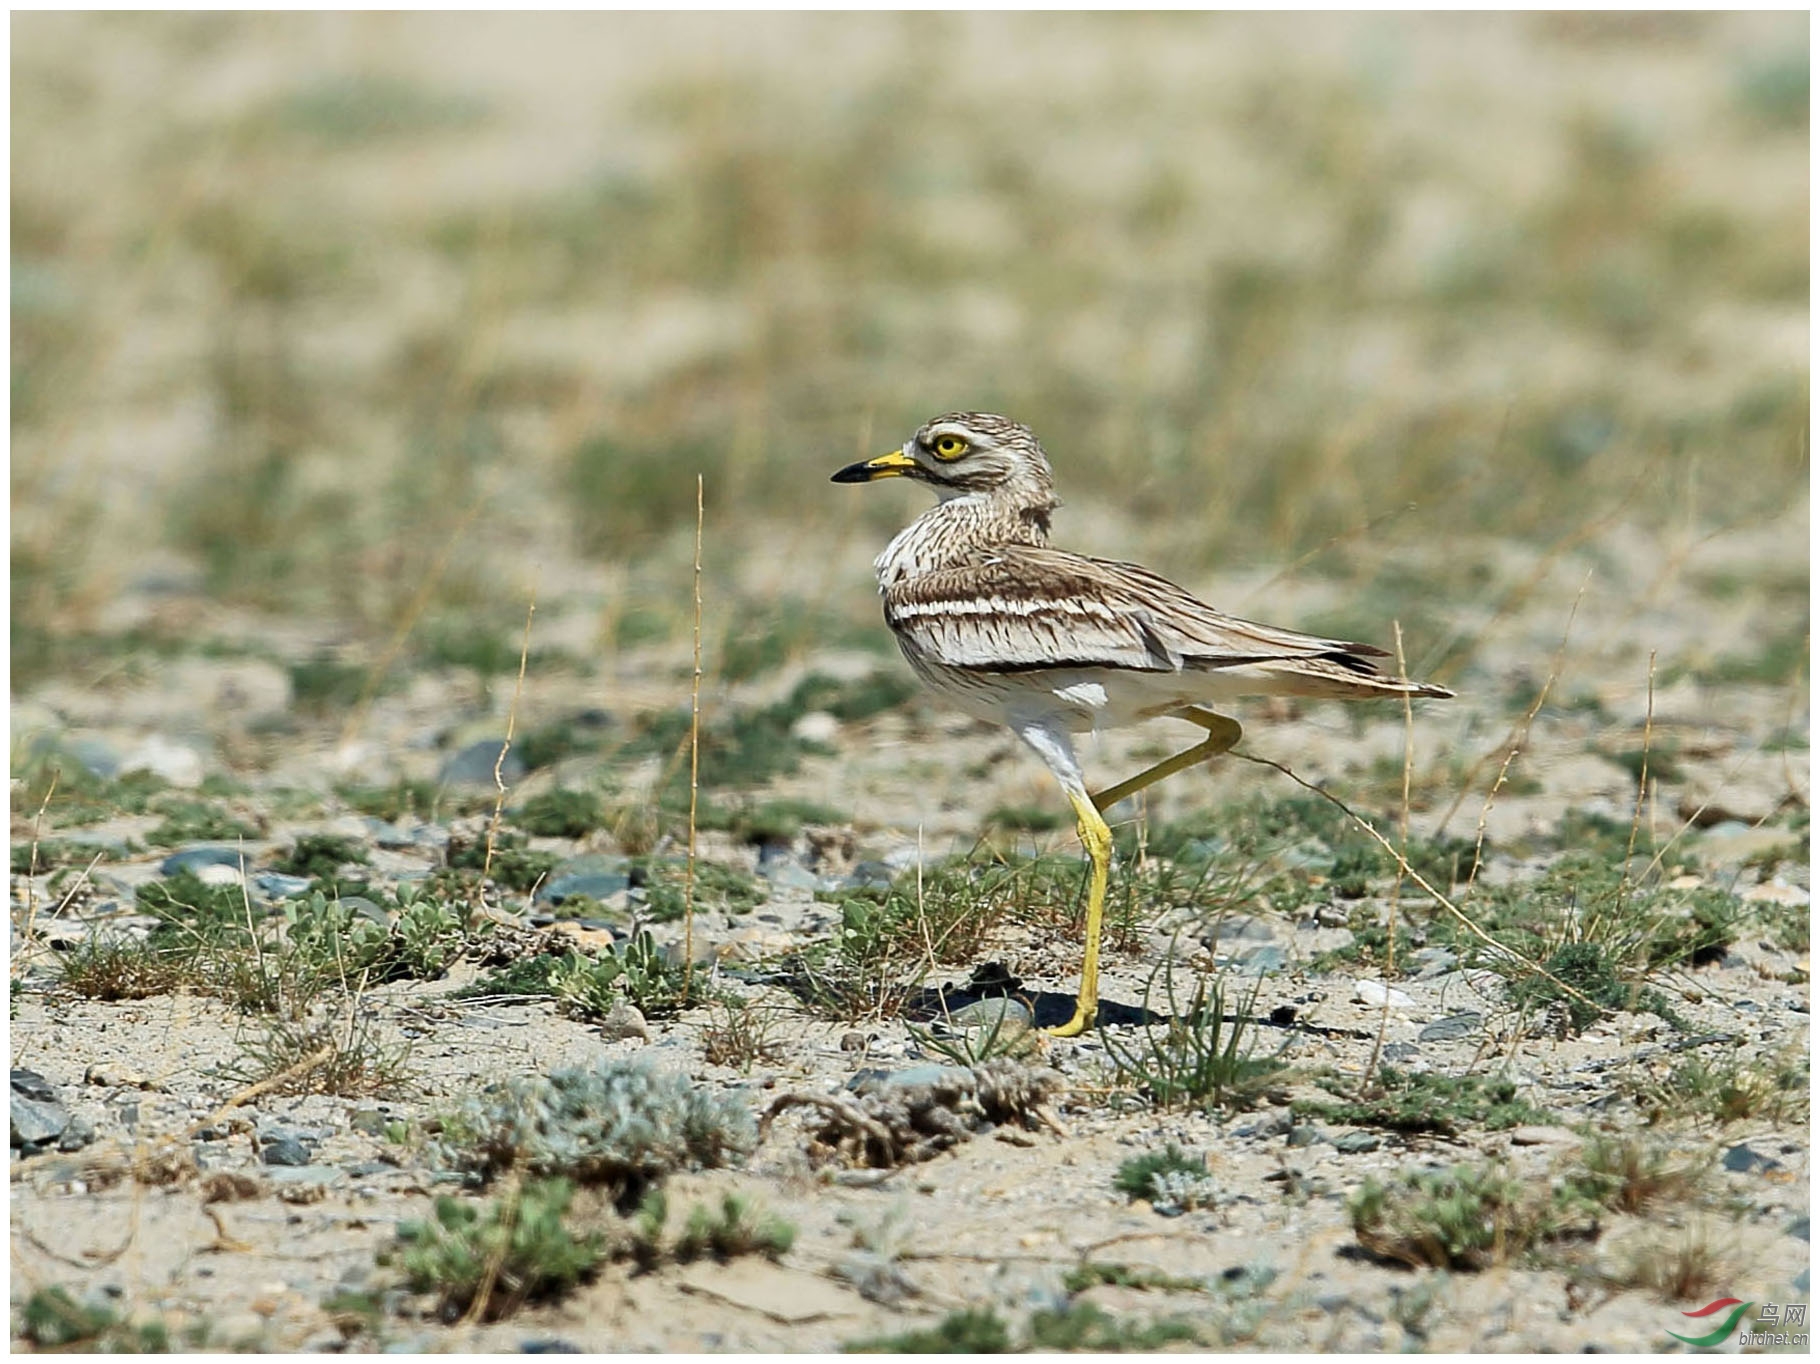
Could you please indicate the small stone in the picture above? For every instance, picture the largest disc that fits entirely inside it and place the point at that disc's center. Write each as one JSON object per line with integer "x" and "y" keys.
{"x": 297, "y": 1176}
{"x": 371, "y": 1121}
{"x": 1776, "y": 892}
{"x": 1452, "y": 1028}
{"x": 1798, "y": 1228}
{"x": 166, "y": 759}
{"x": 598, "y": 876}
{"x": 1357, "y": 1142}
{"x": 198, "y": 861}
{"x": 279, "y": 886}
{"x": 1248, "y": 928}
{"x": 473, "y": 766}
{"x": 816, "y": 727}
{"x": 1009, "y": 1016}
{"x": 625, "y": 1021}
{"x": 552, "y": 1346}
{"x": 112, "y": 1075}
{"x": 1261, "y": 960}
{"x": 1741, "y": 1160}
{"x": 1435, "y": 961}
{"x": 34, "y": 1086}
{"x": 78, "y": 1134}
{"x": 789, "y": 874}
{"x": 35, "y": 1123}
{"x": 1377, "y": 992}
{"x": 909, "y": 857}
{"x": 1272, "y": 1124}
{"x": 853, "y": 1041}
{"x": 1542, "y": 1136}
{"x": 94, "y": 753}
{"x": 867, "y": 876}
{"x": 285, "y": 1151}
{"x": 1306, "y": 1134}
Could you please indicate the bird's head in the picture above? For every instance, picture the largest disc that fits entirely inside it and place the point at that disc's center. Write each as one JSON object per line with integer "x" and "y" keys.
{"x": 963, "y": 453}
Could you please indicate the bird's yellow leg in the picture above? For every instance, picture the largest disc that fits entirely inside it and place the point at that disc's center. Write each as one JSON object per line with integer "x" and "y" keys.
{"x": 1097, "y": 839}
{"x": 1222, "y": 733}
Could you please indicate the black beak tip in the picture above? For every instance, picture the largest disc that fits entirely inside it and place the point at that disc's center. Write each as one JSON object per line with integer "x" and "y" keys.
{"x": 853, "y": 473}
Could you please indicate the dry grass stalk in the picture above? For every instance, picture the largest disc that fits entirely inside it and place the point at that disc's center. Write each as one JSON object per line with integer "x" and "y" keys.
{"x": 499, "y": 763}
{"x": 1636, "y": 818}
{"x": 694, "y": 762}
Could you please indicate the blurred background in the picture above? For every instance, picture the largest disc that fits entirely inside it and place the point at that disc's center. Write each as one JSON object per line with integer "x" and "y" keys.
{"x": 336, "y": 338}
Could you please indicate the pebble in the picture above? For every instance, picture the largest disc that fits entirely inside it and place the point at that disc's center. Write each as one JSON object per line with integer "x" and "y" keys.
{"x": 1306, "y": 1134}
{"x": 909, "y": 857}
{"x": 112, "y": 1075}
{"x": 34, "y": 1086}
{"x": 1357, "y": 1142}
{"x": 1452, "y": 1028}
{"x": 816, "y": 727}
{"x": 1251, "y": 929}
{"x": 1435, "y": 961}
{"x": 94, "y": 753}
{"x": 472, "y": 767}
{"x": 789, "y": 874}
{"x": 304, "y": 1174}
{"x": 1261, "y": 960}
{"x": 1272, "y": 1124}
{"x": 371, "y": 1121}
{"x": 1542, "y": 1136}
{"x": 1776, "y": 892}
{"x": 1377, "y": 992}
{"x": 36, "y": 1124}
{"x": 866, "y": 876}
{"x": 599, "y": 876}
{"x": 280, "y": 886}
{"x": 201, "y": 861}
{"x": 285, "y": 1151}
{"x": 166, "y": 759}
{"x": 1741, "y": 1160}
{"x": 624, "y": 1021}
{"x": 1009, "y": 1016}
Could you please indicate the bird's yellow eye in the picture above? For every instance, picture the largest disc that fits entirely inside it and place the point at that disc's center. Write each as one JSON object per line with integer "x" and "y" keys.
{"x": 948, "y": 447}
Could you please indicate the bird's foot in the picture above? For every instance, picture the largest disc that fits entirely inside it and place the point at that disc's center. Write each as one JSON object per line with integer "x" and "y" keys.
{"x": 1083, "y": 1020}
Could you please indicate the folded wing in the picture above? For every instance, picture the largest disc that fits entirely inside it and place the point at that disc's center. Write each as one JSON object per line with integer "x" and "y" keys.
{"x": 1018, "y": 608}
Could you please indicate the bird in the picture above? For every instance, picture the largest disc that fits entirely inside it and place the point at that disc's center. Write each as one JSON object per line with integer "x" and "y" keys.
{"x": 1052, "y": 644}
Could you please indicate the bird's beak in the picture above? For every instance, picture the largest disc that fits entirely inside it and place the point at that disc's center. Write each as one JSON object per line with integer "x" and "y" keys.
{"x": 894, "y": 464}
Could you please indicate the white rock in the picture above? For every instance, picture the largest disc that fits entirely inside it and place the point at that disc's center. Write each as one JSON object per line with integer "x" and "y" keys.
{"x": 1377, "y": 992}
{"x": 218, "y": 874}
{"x": 625, "y": 1021}
{"x": 166, "y": 759}
{"x": 817, "y": 727}
{"x": 1777, "y": 892}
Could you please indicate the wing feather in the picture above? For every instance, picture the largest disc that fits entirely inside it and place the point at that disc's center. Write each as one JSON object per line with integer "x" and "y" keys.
{"x": 1023, "y": 607}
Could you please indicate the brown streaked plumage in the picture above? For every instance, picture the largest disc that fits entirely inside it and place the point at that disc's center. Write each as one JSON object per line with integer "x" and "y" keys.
{"x": 1053, "y": 643}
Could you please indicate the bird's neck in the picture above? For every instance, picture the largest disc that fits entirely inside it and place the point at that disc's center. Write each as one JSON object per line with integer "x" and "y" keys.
{"x": 962, "y": 527}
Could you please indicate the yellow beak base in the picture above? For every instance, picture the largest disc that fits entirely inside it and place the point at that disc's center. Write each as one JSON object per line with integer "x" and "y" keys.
{"x": 893, "y": 464}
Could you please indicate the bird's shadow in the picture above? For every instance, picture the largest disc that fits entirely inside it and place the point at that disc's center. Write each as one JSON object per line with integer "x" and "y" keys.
{"x": 1048, "y": 1008}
